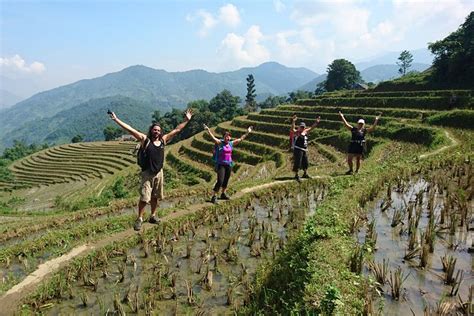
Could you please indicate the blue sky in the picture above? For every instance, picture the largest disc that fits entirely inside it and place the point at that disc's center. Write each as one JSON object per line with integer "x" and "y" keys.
{"x": 52, "y": 43}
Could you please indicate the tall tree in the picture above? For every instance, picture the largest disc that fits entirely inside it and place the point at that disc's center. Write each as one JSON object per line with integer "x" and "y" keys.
{"x": 250, "y": 104}
{"x": 454, "y": 55}
{"x": 342, "y": 74}
{"x": 405, "y": 60}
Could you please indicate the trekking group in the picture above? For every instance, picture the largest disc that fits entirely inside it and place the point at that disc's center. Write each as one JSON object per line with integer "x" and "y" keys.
{"x": 152, "y": 146}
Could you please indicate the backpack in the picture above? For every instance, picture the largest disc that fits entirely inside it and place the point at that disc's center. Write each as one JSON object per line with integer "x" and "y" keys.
{"x": 142, "y": 159}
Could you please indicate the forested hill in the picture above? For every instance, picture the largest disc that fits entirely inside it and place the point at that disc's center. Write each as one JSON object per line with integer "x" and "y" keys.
{"x": 158, "y": 88}
{"x": 87, "y": 119}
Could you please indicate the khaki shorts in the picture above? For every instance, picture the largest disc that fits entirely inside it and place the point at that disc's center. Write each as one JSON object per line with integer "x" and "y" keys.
{"x": 151, "y": 186}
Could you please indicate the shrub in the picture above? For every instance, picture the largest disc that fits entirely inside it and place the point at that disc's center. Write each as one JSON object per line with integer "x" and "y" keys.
{"x": 457, "y": 118}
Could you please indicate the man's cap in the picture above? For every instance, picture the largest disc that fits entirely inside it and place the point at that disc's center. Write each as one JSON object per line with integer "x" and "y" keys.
{"x": 361, "y": 121}
{"x": 302, "y": 124}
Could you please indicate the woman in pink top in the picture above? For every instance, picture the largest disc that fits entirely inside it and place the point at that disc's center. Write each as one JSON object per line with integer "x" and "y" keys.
{"x": 224, "y": 161}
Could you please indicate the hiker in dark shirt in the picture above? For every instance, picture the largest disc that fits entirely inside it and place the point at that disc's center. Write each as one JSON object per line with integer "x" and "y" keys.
{"x": 357, "y": 144}
{"x": 299, "y": 144}
{"x": 223, "y": 160}
{"x": 153, "y": 144}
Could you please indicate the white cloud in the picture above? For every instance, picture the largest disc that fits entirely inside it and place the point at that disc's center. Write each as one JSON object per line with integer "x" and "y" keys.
{"x": 228, "y": 15}
{"x": 244, "y": 50}
{"x": 279, "y": 6}
{"x": 17, "y": 64}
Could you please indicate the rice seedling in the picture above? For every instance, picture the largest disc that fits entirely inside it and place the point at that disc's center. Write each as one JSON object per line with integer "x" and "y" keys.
{"x": 385, "y": 205}
{"x": 118, "y": 308}
{"x": 397, "y": 218}
{"x": 208, "y": 279}
{"x": 466, "y": 306}
{"x": 443, "y": 308}
{"x": 230, "y": 296}
{"x": 371, "y": 234}
{"x": 453, "y": 223}
{"x": 380, "y": 271}
{"x": 121, "y": 269}
{"x": 396, "y": 281}
{"x": 255, "y": 250}
{"x": 84, "y": 298}
{"x": 456, "y": 283}
{"x": 412, "y": 254}
{"x": 356, "y": 260}
{"x": 174, "y": 277}
{"x": 127, "y": 297}
{"x": 191, "y": 299}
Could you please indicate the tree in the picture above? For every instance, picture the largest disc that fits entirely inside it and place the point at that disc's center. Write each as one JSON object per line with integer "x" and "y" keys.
{"x": 299, "y": 94}
{"x": 77, "y": 139}
{"x": 454, "y": 55}
{"x": 320, "y": 88}
{"x": 342, "y": 74}
{"x": 225, "y": 105}
{"x": 405, "y": 60}
{"x": 250, "y": 104}
{"x": 112, "y": 132}
{"x": 272, "y": 101}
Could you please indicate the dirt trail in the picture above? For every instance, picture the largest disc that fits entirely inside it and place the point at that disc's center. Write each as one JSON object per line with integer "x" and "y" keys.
{"x": 10, "y": 300}
{"x": 453, "y": 140}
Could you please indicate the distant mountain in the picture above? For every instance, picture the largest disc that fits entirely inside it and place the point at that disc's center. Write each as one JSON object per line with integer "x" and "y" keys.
{"x": 422, "y": 56}
{"x": 311, "y": 86}
{"x": 159, "y": 89}
{"x": 374, "y": 74}
{"x": 7, "y": 99}
{"x": 385, "y": 72}
{"x": 88, "y": 119}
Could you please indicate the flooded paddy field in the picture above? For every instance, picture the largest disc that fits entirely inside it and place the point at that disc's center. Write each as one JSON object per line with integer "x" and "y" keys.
{"x": 418, "y": 244}
{"x": 196, "y": 266}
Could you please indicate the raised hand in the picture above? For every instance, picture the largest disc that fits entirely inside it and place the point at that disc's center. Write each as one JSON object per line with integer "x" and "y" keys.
{"x": 249, "y": 129}
{"x": 294, "y": 118}
{"x": 340, "y": 114}
{"x": 205, "y": 127}
{"x": 318, "y": 119}
{"x": 378, "y": 116}
{"x": 113, "y": 116}
{"x": 188, "y": 114}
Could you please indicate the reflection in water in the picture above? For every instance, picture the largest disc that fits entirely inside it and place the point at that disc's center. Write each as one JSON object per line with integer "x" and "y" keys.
{"x": 423, "y": 286}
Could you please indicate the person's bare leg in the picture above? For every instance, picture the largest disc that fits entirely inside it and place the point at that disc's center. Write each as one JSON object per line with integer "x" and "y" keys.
{"x": 349, "y": 162}
{"x": 153, "y": 205}
{"x": 141, "y": 208}
{"x": 357, "y": 163}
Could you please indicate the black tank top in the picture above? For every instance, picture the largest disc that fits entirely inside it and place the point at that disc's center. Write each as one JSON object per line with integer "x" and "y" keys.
{"x": 301, "y": 141}
{"x": 156, "y": 157}
{"x": 358, "y": 136}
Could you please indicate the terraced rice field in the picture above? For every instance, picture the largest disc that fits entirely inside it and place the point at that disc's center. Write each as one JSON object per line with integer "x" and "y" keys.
{"x": 226, "y": 257}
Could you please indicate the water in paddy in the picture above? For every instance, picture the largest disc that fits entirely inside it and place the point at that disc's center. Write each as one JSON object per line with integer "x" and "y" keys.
{"x": 423, "y": 286}
{"x": 223, "y": 258}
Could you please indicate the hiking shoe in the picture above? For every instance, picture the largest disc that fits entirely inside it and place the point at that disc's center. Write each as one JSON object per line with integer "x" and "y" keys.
{"x": 214, "y": 199}
{"x": 224, "y": 197}
{"x": 154, "y": 220}
{"x": 349, "y": 172}
{"x": 138, "y": 224}
{"x": 306, "y": 176}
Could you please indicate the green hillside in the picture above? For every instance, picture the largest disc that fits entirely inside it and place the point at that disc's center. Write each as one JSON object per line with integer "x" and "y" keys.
{"x": 87, "y": 119}
{"x": 158, "y": 88}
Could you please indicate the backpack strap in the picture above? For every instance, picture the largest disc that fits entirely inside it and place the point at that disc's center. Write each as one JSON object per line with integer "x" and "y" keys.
{"x": 147, "y": 142}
